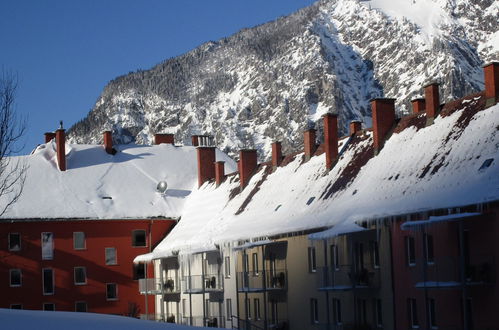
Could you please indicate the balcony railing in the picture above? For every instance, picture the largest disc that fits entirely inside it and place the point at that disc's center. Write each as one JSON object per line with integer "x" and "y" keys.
{"x": 445, "y": 272}
{"x": 202, "y": 283}
{"x": 271, "y": 280}
{"x": 154, "y": 286}
{"x": 200, "y": 321}
{"x": 345, "y": 277}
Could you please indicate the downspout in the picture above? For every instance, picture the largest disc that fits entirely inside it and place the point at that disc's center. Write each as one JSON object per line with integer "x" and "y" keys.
{"x": 326, "y": 273}
{"x": 203, "y": 286}
{"x": 425, "y": 276}
{"x": 264, "y": 275}
{"x": 147, "y": 289}
{"x": 162, "y": 283}
{"x": 190, "y": 290}
{"x": 463, "y": 275}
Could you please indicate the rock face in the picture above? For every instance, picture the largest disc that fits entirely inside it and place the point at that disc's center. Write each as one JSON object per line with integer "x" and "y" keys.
{"x": 270, "y": 82}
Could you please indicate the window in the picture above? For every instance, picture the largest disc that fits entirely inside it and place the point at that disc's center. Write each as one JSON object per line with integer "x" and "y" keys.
{"x": 228, "y": 306}
{"x": 359, "y": 256}
{"x": 49, "y": 307}
{"x": 335, "y": 258}
{"x": 361, "y": 311}
{"x": 337, "y": 311}
{"x": 412, "y": 313}
{"x": 79, "y": 240}
{"x": 256, "y": 309}
{"x": 15, "y": 277}
{"x": 378, "y": 313}
{"x": 375, "y": 253}
{"x": 227, "y": 266}
{"x": 16, "y": 306}
{"x": 81, "y": 306}
{"x": 48, "y": 281}
{"x": 274, "y": 310}
{"x": 431, "y": 313}
{"x": 314, "y": 311}
{"x": 111, "y": 256}
{"x": 139, "y": 238}
{"x": 410, "y": 250}
{"x": 47, "y": 246}
{"x": 139, "y": 271}
{"x": 312, "y": 266}
{"x": 246, "y": 262}
{"x": 14, "y": 242}
{"x": 111, "y": 291}
{"x": 428, "y": 249}
{"x": 255, "y": 263}
{"x": 184, "y": 307}
{"x": 80, "y": 275}
{"x": 248, "y": 309}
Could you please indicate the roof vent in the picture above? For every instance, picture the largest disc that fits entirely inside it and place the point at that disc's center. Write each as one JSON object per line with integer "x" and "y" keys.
{"x": 486, "y": 164}
{"x": 161, "y": 187}
{"x": 310, "y": 200}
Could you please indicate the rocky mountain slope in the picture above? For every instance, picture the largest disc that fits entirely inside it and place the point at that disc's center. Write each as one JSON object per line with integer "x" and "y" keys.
{"x": 270, "y": 82}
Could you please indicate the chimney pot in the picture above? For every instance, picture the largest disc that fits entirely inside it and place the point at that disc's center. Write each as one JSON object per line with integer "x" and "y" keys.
{"x": 206, "y": 158}
{"x": 60, "y": 140}
{"x": 247, "y": 165}
{"x": 418, "y": 105}
{"x": 309, "y": 144}
{"x": 432, "y": 100}
{"x": 331, "y": 138}
{"x": 108, "y": 142}
{"x": 49, "y": 136}
{"x": 195, "y": 140}
{"x": 276, "y": 154}
{"x": 219, "y": 172}
{"x": 383, "y": 111}
{"x": 355, "y": 126}
{"x": 491, "y": 75}
{"x": 164, "y": 138}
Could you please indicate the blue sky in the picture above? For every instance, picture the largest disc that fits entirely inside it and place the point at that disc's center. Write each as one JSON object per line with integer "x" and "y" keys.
{"x": 65, "y": 52}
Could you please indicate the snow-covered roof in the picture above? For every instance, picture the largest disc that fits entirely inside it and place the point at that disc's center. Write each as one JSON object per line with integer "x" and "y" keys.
{"x": 421, "y": 167}
{"x": 97, "y": 185}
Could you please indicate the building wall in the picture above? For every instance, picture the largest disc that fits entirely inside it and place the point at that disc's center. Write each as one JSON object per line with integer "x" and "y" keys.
{"x": 99, "y": 234}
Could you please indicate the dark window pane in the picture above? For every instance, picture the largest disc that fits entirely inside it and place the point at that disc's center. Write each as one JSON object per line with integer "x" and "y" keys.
{"x": 48, "y": 281}
{"x": 14, "y": 242}
{"x": 80, "y": 275}
{"x": 111, "y": 291}
{"x": 81, "y": 306}
{"x": 49, "y": 307}
{"x": 139, "y": 271}
{"x": 15, "y": 277}
{"x": 139, "y": 238}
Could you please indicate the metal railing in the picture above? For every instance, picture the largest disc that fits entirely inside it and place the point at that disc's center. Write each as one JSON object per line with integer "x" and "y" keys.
{"x": 154, "y": 286}
{"x": 345, "y": 277}
{"x": 200, "y": 321}
{"x": 268, "y": 280}
{"x": 202, "y": 283}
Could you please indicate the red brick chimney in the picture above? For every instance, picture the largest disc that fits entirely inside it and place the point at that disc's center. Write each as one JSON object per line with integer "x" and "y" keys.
{"x": 164, "y": 138}
{"x": 276, "y": 154}
{"x": 247, "y": 165}
{"x": 219, "y": 172}
{"x": 49, "y": 136}
{"x": 330, "y": 138}
{"x": 432, "y": 100}
{"x": 206, "y": 170}
{"x": 309, "y": 145}
{"x": 491, "y": 73}
{"x": 108, "y": 142}
{"x": 355, "y": 126}
{"x": 418, "y": 105}
{"x": 195, "y": 140}
{"x": 383, "y": 111}
{"x": 60, "y": 140}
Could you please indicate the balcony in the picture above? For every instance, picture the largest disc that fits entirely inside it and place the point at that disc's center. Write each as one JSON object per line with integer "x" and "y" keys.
{"x": 344, "y": 278}
{"x": 200, "y": 321}
{"x": 202, "y": 283}
{"x": 445, "y": 272}
{"x": 154, "y": 286}
{"x": 262, "y": 281}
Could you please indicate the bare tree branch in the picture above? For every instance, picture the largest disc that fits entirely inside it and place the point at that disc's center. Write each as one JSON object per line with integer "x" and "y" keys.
{"x": 12, "y": 128}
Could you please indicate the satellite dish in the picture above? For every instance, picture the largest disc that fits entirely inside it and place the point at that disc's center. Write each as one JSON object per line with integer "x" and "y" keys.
{"x": 161, "y": 187}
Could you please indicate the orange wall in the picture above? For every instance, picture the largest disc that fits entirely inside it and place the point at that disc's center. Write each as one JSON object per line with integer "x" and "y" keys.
{"x": 99, "y": 235}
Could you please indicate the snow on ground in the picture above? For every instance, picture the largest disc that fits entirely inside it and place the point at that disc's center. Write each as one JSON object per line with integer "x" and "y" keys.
{"x": 42, "y": 320}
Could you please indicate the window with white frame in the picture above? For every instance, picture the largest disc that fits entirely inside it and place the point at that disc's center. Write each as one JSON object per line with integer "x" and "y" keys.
{"x": 111, "y": 291}
{"x": 312, "y": 265}
{"x": 227, "y": 266}
{"x": 81, "y": 306}
{"x": 79, "y": 240}
{"x": 14, "y": 242}
{"x": 410, "y": 251}
{"x": 48, "y": 281}
{"x": 335, "y": 258}
{"x": 110, "y": 254}
{"x": 314, "y": 311}
{"x": 47, "y": 246}
{"x": 15, "y": 277}
{"x": 80, "y": 275}
{"x": 256, "y": 309}
{"x": 412, "y": 311}
{"x": 139, "y": 238}
{"x": 255, "y": 263}
{"x": 375, "y": 253}
{"x": 48, "y": 306}
{"x": 248, "y": 309}
{"x": 228, "y": 306}
{"x": 428, "y": 248}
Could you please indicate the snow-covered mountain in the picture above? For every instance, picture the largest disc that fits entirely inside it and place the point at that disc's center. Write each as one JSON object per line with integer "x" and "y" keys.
{"x": 270, "y": 82}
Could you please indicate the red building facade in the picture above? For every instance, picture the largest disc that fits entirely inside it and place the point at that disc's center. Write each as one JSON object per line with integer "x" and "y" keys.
{"x": 77, "y": 265}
